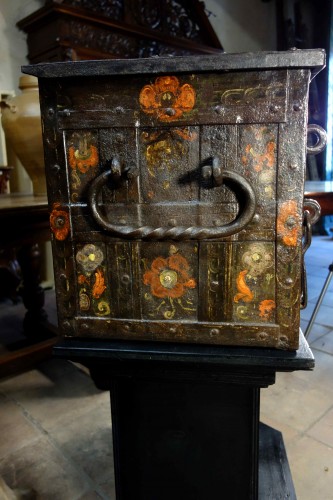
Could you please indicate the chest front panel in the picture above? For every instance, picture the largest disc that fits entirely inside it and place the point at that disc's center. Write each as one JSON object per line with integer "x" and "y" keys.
{"x": 177, "y": 205}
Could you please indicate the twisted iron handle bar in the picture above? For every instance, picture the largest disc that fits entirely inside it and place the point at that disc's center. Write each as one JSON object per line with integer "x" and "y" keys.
{"x": 246, "y": 199}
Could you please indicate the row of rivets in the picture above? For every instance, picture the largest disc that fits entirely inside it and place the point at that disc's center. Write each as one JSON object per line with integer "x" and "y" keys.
{"x": 219, "y": 110}
{"x": 66, "y": 112}
{"x": 213, "y": 332}
{"x": 170, "y": 111}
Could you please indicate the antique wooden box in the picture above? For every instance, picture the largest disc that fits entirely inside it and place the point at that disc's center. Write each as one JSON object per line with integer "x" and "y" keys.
{"x": 176, "y": 195}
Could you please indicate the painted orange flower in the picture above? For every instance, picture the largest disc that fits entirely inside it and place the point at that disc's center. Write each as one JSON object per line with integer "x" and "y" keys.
{"x": 166, "y": 99}
{"x": 169, "y": 277}
{"x": 266, "y": 308}
{"x": 59, "y": 222}
{"x": 288, "y": 223}
{"x": 83, "y": 162}
{"x": 99, "y": 285}
{"x": 244, "y": 292}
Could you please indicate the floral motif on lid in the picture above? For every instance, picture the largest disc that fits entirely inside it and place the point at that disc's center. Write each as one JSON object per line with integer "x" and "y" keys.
{"x": 167, "y": 99}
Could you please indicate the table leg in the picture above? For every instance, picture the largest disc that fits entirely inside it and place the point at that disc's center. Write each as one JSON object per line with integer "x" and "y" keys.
{"x": 10, "y": 274}
{"x": 29, "y": 258}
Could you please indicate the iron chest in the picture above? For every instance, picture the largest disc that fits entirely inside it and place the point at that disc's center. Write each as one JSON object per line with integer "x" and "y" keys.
{"x": 176, "y": 195}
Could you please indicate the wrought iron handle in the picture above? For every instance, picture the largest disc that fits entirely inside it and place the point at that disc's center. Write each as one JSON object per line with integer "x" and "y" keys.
{"x": 313, "y": 207}
{"x": 321, "y": 136}
{"x": 119, "y": 172}
{"x": 213, "y": 171}
{"x": 311, "y": 215}
{"x": 241, "y": 187}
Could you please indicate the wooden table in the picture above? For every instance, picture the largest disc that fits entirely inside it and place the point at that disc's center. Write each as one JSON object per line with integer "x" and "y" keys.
{"x": 24, "y": 223}
{"x": 24, "y": 217}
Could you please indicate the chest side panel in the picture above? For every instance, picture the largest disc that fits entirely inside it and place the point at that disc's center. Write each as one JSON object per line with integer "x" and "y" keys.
{"x": 156, "y": 139}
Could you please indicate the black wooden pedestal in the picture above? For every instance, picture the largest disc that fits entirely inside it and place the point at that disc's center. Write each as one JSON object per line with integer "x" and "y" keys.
{"x": 186, "y": 418}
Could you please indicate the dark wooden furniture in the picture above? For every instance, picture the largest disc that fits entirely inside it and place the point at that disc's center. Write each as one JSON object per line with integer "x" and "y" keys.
{"x": 24, "y": 224}
{"x": 85, "y": 29}
{"x": 185, "y": 419}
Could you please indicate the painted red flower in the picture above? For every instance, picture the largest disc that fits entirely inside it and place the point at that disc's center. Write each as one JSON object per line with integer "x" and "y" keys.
{"x": 166, "y": 99}
{"x": 59, "y": 222}
{"x": 83, "y": 162}
{"x": 169, "y": 277}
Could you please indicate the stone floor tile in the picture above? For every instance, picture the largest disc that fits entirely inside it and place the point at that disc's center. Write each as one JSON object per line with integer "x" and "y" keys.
{"x": 91, "y": 495}
{"x": 88, "y": 442}
{"x": 324, "y": 343}
{"x": 53, "y": 401}
{"x": 327, "y": 299}
{"x": 324, "y": 315}
{"x": 289, "y": 434}
{"x": 299, "y": 399}
{"x": 315, "y": 285}
{"x": 323, "y": 429}
{"x": 316, "y": 331}
{"x": 311, "y": 465}
{"x": 47, "y": 375}
{"x": 16, "y": 430}
{"x": 43, "y": 468}
{"x": 25, "y": 381}
{"x": 323, "y": 369}
{"x": 108, "y": 488}
{"x": 306, "y": 313}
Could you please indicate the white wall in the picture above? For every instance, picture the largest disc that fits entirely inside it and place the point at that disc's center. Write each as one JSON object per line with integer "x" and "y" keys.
{"x": 13, "y": 47}
{"x": 243, "y": 25}
{"x": 13, "y": 51}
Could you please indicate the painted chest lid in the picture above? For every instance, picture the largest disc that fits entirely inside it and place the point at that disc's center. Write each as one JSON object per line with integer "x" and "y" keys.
{"x": 313, "y": 59}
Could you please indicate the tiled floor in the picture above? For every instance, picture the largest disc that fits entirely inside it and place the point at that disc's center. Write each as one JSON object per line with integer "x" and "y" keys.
{"x": 55, "y": 429}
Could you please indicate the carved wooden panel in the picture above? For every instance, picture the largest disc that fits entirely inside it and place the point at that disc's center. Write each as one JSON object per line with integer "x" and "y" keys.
{"x": 86, "y": 29}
